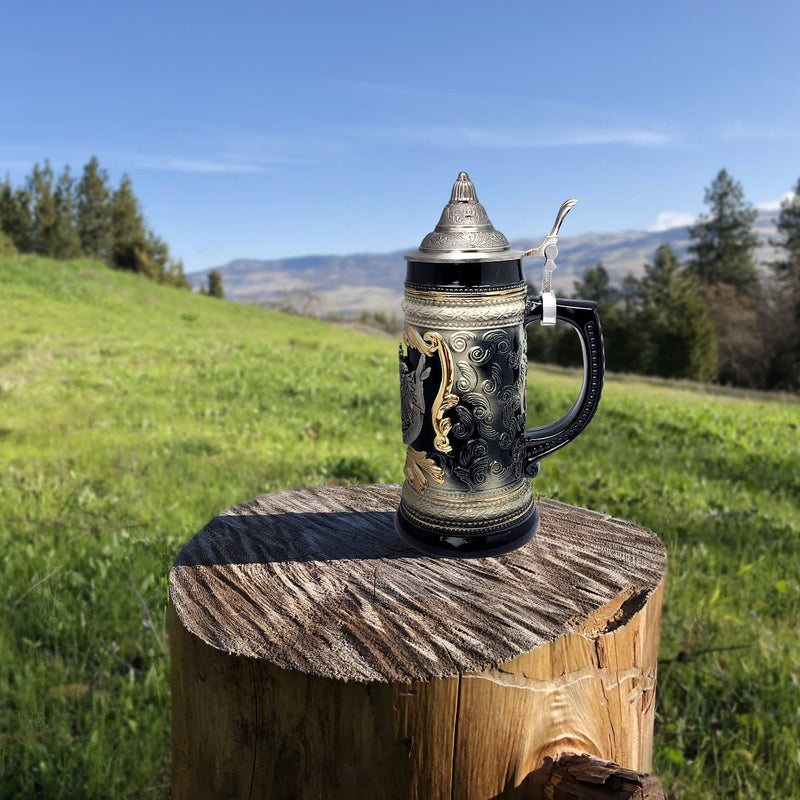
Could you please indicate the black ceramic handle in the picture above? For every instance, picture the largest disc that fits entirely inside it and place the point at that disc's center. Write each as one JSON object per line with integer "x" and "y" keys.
{"x": 582, "y": 315}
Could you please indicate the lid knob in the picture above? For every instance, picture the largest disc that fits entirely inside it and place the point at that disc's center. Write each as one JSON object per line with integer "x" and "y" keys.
{"x": 463, "y": 190}
{"x": 464, "y": 232}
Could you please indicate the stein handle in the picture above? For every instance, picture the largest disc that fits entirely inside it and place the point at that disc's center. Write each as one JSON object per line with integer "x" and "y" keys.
{"x": 582, "y": 315}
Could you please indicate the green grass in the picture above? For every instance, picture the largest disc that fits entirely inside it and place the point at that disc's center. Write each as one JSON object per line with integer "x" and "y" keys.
{"x": 130, "y": 414}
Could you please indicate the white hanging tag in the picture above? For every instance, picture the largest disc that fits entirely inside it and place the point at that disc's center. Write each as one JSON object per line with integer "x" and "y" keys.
{"x": 548, "y": 295}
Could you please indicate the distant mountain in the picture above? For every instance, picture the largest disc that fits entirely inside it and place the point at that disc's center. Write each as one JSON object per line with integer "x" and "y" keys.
{"x": 348, "y": 285}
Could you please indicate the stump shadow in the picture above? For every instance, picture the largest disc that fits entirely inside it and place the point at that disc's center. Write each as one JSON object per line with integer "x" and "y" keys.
{"x": 295, "y": 537}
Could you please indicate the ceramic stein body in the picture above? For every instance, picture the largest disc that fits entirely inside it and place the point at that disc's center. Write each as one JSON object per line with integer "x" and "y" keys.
{"x": 469, "y": 457}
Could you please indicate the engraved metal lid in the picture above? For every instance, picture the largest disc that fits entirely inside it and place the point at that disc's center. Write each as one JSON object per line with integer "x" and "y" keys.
{"x": 464, "y": 232}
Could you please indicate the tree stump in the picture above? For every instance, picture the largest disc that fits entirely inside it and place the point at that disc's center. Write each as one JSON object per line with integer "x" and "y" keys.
{"x": 314, "y": 655}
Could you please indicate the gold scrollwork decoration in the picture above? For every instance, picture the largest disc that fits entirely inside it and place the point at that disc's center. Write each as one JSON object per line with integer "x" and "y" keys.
{"x": 431, "y": 343}
{"x": 417, "y": 466}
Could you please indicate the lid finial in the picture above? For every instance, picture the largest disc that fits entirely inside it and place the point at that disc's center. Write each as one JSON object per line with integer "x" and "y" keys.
{"x": 463, "y": 190}
{"x": 464, "y": 232}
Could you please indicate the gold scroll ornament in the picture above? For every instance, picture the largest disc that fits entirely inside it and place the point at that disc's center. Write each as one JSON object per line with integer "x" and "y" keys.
{"x": 417, "y": 462}
{"x": 417, "y": 466}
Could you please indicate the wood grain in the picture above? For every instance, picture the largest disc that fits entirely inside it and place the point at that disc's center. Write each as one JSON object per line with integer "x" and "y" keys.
{"x": 317, "y": 581}
{"x": 314, "y": 655}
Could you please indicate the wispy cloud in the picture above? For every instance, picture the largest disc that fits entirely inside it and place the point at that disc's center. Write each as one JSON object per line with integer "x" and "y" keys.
{"x": 637, "y": 137}
{"x": 672, "y": 219}
{"x": 505, "y": 139}
{"x": 248, "y": 152}
{"x": 739, "y": 131}
{"x": 229, "y": 153}
{"x": 254, "y": 154}
{"x": 166, "y": 163}
{"x": 403, "y": 91}
{"x": 681, "y": 219}
{"x": 193, "y": 159}
{"x": 521, "y": 104}
{"x": 13, "y": 166}
{"x": 774, "y": 205}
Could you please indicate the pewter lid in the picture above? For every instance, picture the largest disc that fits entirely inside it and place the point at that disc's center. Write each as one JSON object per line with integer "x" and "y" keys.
{"x": 464, "y": 232}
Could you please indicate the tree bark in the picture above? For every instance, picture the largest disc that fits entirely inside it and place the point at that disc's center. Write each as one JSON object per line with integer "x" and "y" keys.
{"x": 314, "y": 655}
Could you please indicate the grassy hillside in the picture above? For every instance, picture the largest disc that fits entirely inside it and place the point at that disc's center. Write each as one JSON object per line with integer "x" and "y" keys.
{"x": 131, "y": 413}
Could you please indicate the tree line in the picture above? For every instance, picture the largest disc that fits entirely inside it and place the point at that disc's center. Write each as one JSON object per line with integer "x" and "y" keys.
{"x": 712, "y": 318}
{"x": 63, "y": 217}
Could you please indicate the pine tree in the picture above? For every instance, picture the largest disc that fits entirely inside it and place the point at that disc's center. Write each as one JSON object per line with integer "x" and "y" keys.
{"x": 176, "y": 276}
{"x": 722, "y": 250}
{"x": 64, "y": 219}
{"x": 167, "y": 270}
{"x": 44, "y": 238}
{"x": 787, "y": 269}
{"x": 613, "y": 307}
{"x": 130, "y": 248}
{"x": 134, "y": 247}
{"x": 160, "y": 255}
{"x": 16, "y": 220}
{"x": 784, "y": 321}
{"x": 67, "y": 241}
{"x": 93, "y": 201}
{"x": 677, "y": 336}
{"x": 596, "y": 285}
{"x": 215, "y": 284}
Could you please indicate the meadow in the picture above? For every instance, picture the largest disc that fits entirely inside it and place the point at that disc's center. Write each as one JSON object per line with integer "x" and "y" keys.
{"x": 131, "y": 413}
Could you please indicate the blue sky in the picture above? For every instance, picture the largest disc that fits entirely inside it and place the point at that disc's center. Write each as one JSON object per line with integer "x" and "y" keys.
{"x": 275, "y": 129}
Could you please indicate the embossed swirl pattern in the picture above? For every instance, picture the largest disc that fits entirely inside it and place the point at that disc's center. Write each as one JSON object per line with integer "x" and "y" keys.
{"x": 490, "y": 384}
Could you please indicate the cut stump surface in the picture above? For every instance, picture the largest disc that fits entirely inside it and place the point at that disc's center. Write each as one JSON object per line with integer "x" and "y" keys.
{"x": 304, "y": 629}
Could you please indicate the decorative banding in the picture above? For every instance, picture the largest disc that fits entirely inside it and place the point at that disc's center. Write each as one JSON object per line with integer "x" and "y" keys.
{"x": 462, "y": 512}
{"x": 456, "y": 312}
{"x": 465, "y": 293}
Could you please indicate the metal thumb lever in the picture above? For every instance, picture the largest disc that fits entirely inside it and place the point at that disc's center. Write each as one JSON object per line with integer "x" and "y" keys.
{"x": 549, "y": 250}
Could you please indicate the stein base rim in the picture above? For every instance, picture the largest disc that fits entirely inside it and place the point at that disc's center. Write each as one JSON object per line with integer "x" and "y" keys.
{"x": 472, "y": 545}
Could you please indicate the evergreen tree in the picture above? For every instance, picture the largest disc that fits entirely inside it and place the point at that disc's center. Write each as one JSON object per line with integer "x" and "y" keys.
{"x": 787, "y": 269}
{"x": 64, "y": 219}
{"x": 93, "y": 201}
{"x": 784, "y": 319}
{"x": 723, "y": 242}
{"x": 167, "y": 270}
{"x": 596, "y": 285}
{"x": 159, "y": 252}
{"x": 16, "y": 220}
{"x": 45, "y": 231}
{"x": 630, "y": 294}
{"x": 677, "y": 336}
{"x": 67, "y": 241}
{"x": 130, "y": 248}
{"x": 176, "y": 276}
{"x": 215, "y": 284}
{"x": 614, "y": 308}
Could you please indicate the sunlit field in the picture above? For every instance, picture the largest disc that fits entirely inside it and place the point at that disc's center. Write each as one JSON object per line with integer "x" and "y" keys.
{"x": 131, "y": 413}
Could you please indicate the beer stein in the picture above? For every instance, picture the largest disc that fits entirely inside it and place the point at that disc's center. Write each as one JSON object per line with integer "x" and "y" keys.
{"x": 470, "y": 458}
